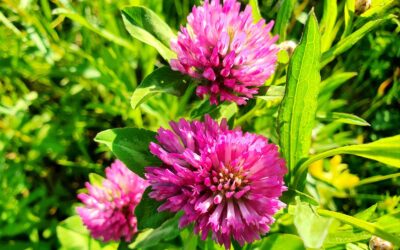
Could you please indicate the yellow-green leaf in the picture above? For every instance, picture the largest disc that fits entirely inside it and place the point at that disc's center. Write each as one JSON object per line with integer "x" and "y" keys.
{"x": 256, "y": 11}
{"x": 162, "y": 80}
{"x": 144, "y": 25}
{"x": 364, "y": 225}
{"x": 283, "y": 18}
{"x": 297, "y": 111}
{"x": 352, "y": 39}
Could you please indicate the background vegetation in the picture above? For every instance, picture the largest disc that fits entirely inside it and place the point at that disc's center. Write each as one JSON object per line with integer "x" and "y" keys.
{"x": 68, "y": 70}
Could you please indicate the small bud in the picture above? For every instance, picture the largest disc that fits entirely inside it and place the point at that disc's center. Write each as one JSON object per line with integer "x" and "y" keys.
{"x": 377, "y": 243}
{"x": 286, "y": 51}
{"x": 289, "y": 46}
{"x": 362, "y": 6}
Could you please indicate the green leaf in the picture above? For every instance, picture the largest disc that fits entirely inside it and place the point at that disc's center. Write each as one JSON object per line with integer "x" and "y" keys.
{"x": 386, "y": 150}
{"x": 162, "y": 80}
{"x": 367, "y": 213}
{"x": 335, "y": 81}
{"x": 74, "y": 236}
{"x": 329, "y": 85}
{"x": 167, "y": 231}
{"x": 343, "y": 118}
{"x": 274, "y": 93}
{"x": 390, "y": 223}
{"x": 344, "y": 237}
{"x": 131, "y": 146}
{"x": 311, "y": 227}
{"x": 364, "y": 225}
{"x": 297, "y": 111}
{"x": 352, "y": 39}
{"x": 327, "y": 24}
{"x": 147, "y": 214}
{"x": 102, "y": 32}
{"x": 256, "y": 10}
{"x": 283, "y": 18}
{"x": 227, "y": 111}
{"x": 377, "y": 10}
{"x": 348, "y": 16}
{"x": 203, "y": 108}
{"x": 282, "y": 241}
{"x": 144, "y": 25}
{"x": 96, "y": 180}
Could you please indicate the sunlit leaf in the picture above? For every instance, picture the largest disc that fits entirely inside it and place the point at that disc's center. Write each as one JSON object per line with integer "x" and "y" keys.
{"x": 144, "y": 25}
{"x": 256, "y": 10}
{"x": 311, "y": 227}
{"x": 364, "y": 225}
{"x": 282, "y": 241}
{"x": 343, "y": 118}
{"x": 328, "y": 23}
{"x": 352, "y": 39}
{"x": 162, "y": 80}
{"x": 282, "y": 20}
{"x": 297, "y": 111}
{"x": 73, "y": 236}
{"x": 348, "y": 16}
{"x": 96, "y": 180}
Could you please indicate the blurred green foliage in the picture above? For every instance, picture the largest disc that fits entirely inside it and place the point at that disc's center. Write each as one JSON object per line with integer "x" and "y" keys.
{"x": 68, "y": 70}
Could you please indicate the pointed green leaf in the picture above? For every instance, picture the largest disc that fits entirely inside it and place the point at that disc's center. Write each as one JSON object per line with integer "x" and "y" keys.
{"x": 162, "y": 80}
{"x": 297, "y": 111}
{"x": 144, "y": 25}
{"x": 348, "y": 16}
{"x": 367, "y": 213}
{"x": 333, "y": 82}
{"x": 131, "y": 146}
{"x": 352, "y": 39}
{"x": 328, "y": 23}
{"x": 364, "y": 225}
{"x": 282, "y": 21}
{"x": 343, "y": 118}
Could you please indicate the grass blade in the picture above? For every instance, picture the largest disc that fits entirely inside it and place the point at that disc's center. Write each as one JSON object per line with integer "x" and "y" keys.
{"x": 283, "y": 18}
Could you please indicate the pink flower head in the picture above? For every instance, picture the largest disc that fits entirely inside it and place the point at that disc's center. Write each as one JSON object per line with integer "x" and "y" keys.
{"x": 109, "y": 209}
{"x": 226, "y": 50}
{"x": 227, "y": 182}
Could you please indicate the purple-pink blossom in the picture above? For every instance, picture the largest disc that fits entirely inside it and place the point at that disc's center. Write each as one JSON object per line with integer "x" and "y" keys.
{"x": 109, "y": 209}
{"x": 229, "y": 53}
{"x": 227, "y": 182}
